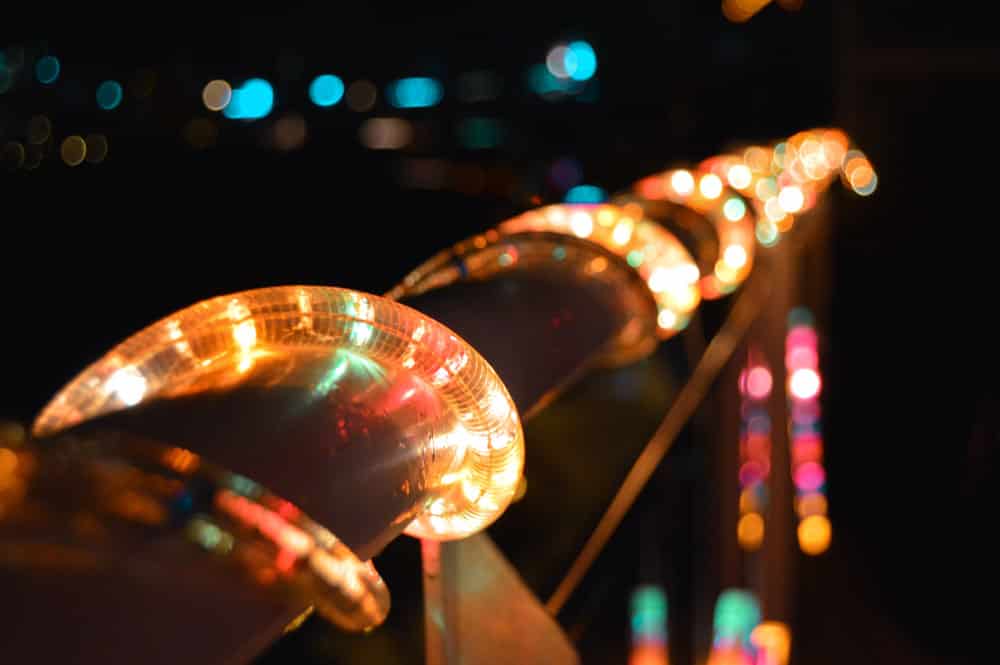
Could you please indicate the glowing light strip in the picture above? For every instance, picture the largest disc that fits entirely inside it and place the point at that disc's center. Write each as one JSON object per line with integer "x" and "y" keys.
{"x": 755, "y": 385}
{"x": 664, "y": 264}
{"x": 808, "y": 474}
{"x": 649, "y": 626}
{"x": 216, "y": 342}
{"x": 733, "y": 220}
{"x": 786, "y": 179}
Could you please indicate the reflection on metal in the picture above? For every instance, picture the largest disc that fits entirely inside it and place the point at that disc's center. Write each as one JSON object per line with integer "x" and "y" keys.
{"x": 477, "y": 608}
{"x": 93, "y": 528}
{"x": 343, "y": 387}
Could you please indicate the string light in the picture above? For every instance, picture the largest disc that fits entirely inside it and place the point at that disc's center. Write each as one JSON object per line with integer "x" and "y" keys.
{"x": 649, "y": 626}
{"x": 804, "y": 383}
{"x": 755, "y": 383}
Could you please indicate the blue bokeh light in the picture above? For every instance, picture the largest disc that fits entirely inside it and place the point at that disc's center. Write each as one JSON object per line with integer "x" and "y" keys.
{"x": 584, "y": 61}
{"x": 326, "y": 90}
{"x": 109, "y": 95}
{"x": 47, "y": 69}
{"x": 415, "y": 92}
{"x": 586, "y": 194}
{"x": 251, "y": 101}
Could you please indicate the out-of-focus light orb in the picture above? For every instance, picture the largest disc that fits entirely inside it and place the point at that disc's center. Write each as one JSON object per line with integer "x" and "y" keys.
{"x": 815, "y": 534}
{"x": 773, "y": 209}
{"x": 586, "y": 194}
{"x": 750, "y": 531}
{"x": 813, "y": 503}
{"x": 109, "y": 95}
{"x": 47, "y": 69}
{"x": 360, "y": 96}
{"x": 326, "y": 90}
{"x": 737, "y": 613}
{"x": 581, "y": 224}
{"x": 414, "y": 92}
{"x": 739, "y": 176}
{"x": 216, "y": 95}
{"x": 773, "y": 641}
{"x": 666, "y": 319}
{"x": 863, "y": 180}
{"x": 791, "y": 199}
{"x": 801, "y": 357}
{"x": 560, "y": 61}
{"x": 759, "y": 382}
{"x": 290, "y": 132}
{"x": 251, "y": 101}
{"x": 735, "y": 256}
{"x": 682, "y": 181}
{"x": 766, "y": 233}
{"x": 710, "y": 186}
{"x": 804, "y": 383}
{"x": 73, "y": 150}
{"x": 585, "y": 59}
{"x": 734, "y": 209}
{"x": 809, "y": 476}
{"x": 97, "y": 148}
{"x": 386, "y": 133}
{"x": 802, "y": 335}
{"x": 740, "y": 11}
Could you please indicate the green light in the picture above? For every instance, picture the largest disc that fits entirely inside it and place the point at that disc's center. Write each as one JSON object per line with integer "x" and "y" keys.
{"x": 734, "y": 209}
{"x": 635, "y": 258}
{"x": 336, "y": 373}
{"x": 649, "y": 612}
{"x": 736, "y": 614}
{"x": 767, "y": 233}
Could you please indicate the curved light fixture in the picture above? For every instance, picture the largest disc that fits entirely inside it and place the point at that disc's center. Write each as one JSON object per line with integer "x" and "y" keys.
{"x": 469, "y": 461}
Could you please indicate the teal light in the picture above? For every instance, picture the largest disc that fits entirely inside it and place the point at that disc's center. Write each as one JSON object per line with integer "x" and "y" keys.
{"x": 251, "y": 101}
{"x": 734, "y": 209}
{"x": 584, "y": 58}
{"x": 634, "y": 258}
{"x": 415, "y": 92}
{"x": 334, "y": 375}
{"x": 326, "y": 90}
{"x": 649, "y": 614}
{"x": 737, "y": 613}
{"x": 800, "y": 316}
{"x": 47, "y": 69}
{"x": 559, "y": 253}
{"x": 586, "y": 194}
{"x": 109, "y": 95}
{"x": 543, "y": 83}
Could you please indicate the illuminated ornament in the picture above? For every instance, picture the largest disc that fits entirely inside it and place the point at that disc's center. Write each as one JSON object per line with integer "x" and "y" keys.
{"x": 662, "y": 261}
{"x": 704, "y": 193}
{"x": 336, "y": 345}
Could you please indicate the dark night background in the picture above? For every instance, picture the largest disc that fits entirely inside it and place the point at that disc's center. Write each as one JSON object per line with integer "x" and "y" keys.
{"x": 92, "y": 253}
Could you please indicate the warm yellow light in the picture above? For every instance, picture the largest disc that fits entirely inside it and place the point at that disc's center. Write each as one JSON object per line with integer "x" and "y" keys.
{"x": 773, "y": 640}
{"x": 581, "y": 224}
{"x": 735, "y": 256}
{"x": 814, "y": 534}
{"x": 750, "y": 531}
{"x": 623, "y": 231}
{"x": 682, "y": 181}
{"x": 710, "y": 186}
{"x": 791, "y": 199}
{"x": 739, "y": 176}
{"x": 740, "y": 11}
{"x": 666, "y": 319}
{"x": 73, "y": 150}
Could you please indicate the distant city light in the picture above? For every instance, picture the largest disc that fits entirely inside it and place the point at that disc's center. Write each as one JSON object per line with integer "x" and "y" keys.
{"x": 109, "y": 95}
{"x": 47, "y": 69}
{"x": 586, "y": 194}
{"x": 326, "y": 90}
{"x": 251, "y": 101}
{"x": 415, "y": 92}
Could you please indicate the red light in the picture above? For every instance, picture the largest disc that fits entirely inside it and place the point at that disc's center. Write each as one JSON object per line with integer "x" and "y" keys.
{"x": 809, "y": 477}
{"x": 759, "y": 383}
{"x": 802, "y": 336}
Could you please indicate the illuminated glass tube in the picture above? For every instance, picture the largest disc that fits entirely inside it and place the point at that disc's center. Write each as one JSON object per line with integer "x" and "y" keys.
{"x": 698, "y": 203}
{"x": 341, "y": 387}
{"x": 659, "y": 257}
{"x": 109, "y": 532}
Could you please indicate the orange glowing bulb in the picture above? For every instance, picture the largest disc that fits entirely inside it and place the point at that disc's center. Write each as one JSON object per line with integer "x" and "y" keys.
{"x": 815, "y": 534}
